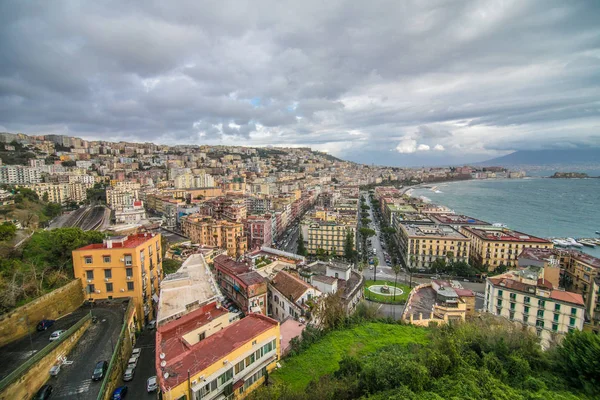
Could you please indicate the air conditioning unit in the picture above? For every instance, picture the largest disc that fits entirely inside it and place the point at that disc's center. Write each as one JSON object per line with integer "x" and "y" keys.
{"x": 194, "y": 382}
{"x": 129, "y": 278}
{"x": 122, "y": 260}
{"x": 90, "y": 280}
{"x": 106, "y": 279}
{"x": 97, "y": 290}
{"x": 122, "y": 290}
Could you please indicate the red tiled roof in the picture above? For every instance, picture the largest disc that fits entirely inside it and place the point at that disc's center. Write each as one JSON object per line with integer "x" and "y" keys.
{"x": 131, "y": 242}
{"x": 180, "y": 357}
{"x": 464, "y": 292}
{"x": 568, "y": 297}
{"x": 229, "y": 264}
{"x": 289, "y": 286}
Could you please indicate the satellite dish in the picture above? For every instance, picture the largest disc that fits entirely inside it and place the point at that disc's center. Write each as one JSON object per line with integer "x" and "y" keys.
{"x": 162, "y": 356}
{"x": 163, "y": 363}
{"x": 166, "y": 375}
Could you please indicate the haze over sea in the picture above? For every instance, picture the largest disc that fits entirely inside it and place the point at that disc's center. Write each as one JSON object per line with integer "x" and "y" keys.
{"x": 538, "y": 206}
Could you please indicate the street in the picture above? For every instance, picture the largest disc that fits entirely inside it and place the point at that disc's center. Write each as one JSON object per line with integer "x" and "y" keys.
{"x": 16, "y": 353}
{"x": 74, "y": 380}
{"x": 146, "y": 366}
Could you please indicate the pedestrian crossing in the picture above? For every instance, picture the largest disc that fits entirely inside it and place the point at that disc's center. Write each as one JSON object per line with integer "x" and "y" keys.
{"x": 73, "y": 389}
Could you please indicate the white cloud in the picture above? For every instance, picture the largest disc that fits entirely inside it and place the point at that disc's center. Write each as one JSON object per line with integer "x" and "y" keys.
{"x": 439, "y": 147}
{"x": 423, "y": 147}
{"x": 407, "y": 146}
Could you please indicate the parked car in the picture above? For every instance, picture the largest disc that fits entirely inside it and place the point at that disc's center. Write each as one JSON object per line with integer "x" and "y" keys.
{"x": 99, "y": 370}
{"x": 132, "y": 363}
{"x": 128, "y": 375}
{"x": 136, "y": 352}
{"x": 119, "y": 393}
{"x": 56, "y": 334}
{"x": 151, "y": 385}
{"x": 44, "y": 393}
{"x": 44, "y": 324}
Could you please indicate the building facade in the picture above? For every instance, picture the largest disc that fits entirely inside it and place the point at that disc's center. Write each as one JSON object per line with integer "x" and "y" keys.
{"x": 238, "y": 281}
{"x": 290, "y": 297}
{"x": 123, "y": 266}
{"x": 208, "y": 231}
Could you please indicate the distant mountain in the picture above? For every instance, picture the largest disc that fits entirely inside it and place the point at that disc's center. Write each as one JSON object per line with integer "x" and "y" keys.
{"x": 546, "y": 157}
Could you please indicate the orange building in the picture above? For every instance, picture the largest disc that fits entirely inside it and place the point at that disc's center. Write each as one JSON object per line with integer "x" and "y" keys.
{"x": 223, "y": 234}
{"x": 123, "y": 266}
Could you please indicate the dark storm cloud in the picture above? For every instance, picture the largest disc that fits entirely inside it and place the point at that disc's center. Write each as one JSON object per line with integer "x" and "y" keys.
{"x": 435, "y": 80}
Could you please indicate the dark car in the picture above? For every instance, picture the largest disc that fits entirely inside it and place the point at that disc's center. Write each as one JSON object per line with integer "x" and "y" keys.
{"x": 99, "y": 370}
{"x": 44, "y": 324}
{"x": 44, "y": 393}
{"x": 119, "y": 393}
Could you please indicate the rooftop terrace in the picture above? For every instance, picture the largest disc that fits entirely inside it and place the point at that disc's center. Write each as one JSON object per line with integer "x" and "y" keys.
{"x": 433, "y": 231}
{"x": 503, "y": 234}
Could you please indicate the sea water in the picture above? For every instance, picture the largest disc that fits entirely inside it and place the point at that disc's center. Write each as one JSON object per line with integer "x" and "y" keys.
{"x": 541, "y": 207}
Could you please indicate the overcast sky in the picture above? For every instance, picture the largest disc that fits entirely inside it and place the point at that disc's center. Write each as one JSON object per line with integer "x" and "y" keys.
{"x": 385, "y": 82}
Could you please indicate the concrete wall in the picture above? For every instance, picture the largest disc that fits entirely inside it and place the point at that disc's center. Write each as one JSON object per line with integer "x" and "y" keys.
{"x": 29, "y": 383}
{"x": 118, "y": 362}
{"x": 59, "y": 302}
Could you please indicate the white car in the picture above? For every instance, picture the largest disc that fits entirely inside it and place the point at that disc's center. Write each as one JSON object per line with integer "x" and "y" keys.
{"x": 56, "y": 334}
{"x": 132, "y": 363}
{"x": 128, "y": 375}
{"x": 136, "y": 352}
{"x": 152, "y": 385}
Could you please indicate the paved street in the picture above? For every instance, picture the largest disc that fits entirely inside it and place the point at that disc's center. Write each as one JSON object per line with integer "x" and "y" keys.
{"x": 74, "y": 381}
{"x": 146, "y": 366}
{"x": 393, "y": 311}
{"x": 290, "y": 243}
{"x": 17, "y": 352}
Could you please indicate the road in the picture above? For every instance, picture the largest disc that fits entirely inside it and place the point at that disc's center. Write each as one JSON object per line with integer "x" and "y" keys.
{"x": 16, "y": 353}
{"x": 290, "y": 244}
{"x": 74, "y": 381}
{"x": 146, "y": 366}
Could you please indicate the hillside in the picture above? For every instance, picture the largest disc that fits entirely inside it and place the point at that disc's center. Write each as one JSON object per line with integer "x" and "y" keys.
{"x": 546, "y": 157}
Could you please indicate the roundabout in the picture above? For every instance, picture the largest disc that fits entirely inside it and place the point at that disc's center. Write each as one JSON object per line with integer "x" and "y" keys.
{"x": 385, "y": 290}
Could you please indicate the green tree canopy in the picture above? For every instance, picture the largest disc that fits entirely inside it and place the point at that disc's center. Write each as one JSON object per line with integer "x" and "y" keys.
{"x": 301, "y": 249}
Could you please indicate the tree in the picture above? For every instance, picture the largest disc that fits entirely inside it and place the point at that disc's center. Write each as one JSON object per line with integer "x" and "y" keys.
{"x": 439, "y": 265}
{"x": 330, "y": 312}
{"x": 396, "y": 268}
{"x": 45, "y": 197}
{"x": 322, "y": 254}
{"x": 52, "y": 210}
{"x": 300, "y": 249}
{"x": 69, "y": 163}
{"x": 170, "y": 266}
{"x": 365, "y": 221}
{"x": 349, "y": 252}
{"x": 7, "y": 231}
{"x": 365, "y": 233}
{"x": 578, "y": 358}
{"x": 500, "y": 269}
{"x": 375, "y": 264}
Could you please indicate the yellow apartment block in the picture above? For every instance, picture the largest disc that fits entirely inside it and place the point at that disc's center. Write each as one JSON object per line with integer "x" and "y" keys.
{"x": 194, "y": 360}
{"x": 123, "y": 266}
{"x": 329, "y": 236}
{"x": 492, "y": 245}
{"x": 208, "y": 231}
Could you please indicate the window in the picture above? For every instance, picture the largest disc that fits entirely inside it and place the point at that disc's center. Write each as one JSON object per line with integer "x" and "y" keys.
{"x": 109, "y": 287}
{"x": 573, "y": 311}
{"x": 525, "y": 310}
{"x": 106, "y": 259}
{"x": 500, "y": 293}
{"x": 556, "y": 316}
{"x": 571, "y": 321}
{"x": 239, "y": 367}
{"x": 527, "y": 299}
{"x": 250, "y": 359}
{"x": 88, "y": 259}
{"x": 89, "y": 274}
{"x": 499, "y": 302}
{"x": 513, "y": 296}
{"x": 542, "y": 303}
{"x": 225, "y": 377}
{"x": 512, "y": 306}
{"x": 557, "y": 307}
{"x": 511, "y": 315}
{"x": 554, "y": 327}
{"x": 91, "y": 288}
{"x": 539, "y": 323}
{"x": 128, "y": 259}
{"x": 130, "y": 286}
{"x": 525, "y": 318}
{"x": 201, "y": 336}
{"x": 108, "y": 273}
{"x": 540, "y": 313}
{"x": 129, "y": 272}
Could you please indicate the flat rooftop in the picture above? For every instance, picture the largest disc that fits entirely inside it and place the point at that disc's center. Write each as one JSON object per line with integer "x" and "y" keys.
{"x": 503, "y": 234}
{"x": 119, "y": 242}
{"x": 415, "y": 217}
{"x": 182, "y": 358}
{"x": 454, "y": 219}
{"x": 432, "y": 231}
{"x": 543, "y": 254}
{"x": 192, "y": 284}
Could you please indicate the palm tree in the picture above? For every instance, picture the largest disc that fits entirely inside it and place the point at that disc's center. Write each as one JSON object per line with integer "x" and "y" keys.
{"x": 375, "y": 264}
{"x": 396, "y": 268}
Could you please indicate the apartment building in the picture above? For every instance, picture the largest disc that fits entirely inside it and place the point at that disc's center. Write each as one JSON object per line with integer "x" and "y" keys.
{"x": 535, "y": 304}
{"x": 258, "y": 231}
{"x": 495, "y": 245}
{"x": 327, "y": 230}
{"x": 122, "y": 266}
{"x": 61, "y": 193}
{"x": 131, "y": 214}
{"x": 594, "y": 305}
{"x": 422, "y": 244}
{"x": 238, "y": 281}
{"x": 203, "y": 356}
{"x": 20, "y": 175}
{"x": 208, "y": 231}
{"x": 122, "y": 194}
{"x": 290, "y": 297}
{"x": 191, "y": 181}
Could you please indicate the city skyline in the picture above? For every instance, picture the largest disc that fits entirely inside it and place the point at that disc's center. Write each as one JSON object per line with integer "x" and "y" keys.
{"x": 393, "y": 84}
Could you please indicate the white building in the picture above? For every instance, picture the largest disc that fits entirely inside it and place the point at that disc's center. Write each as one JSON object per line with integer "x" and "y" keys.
{"x": 289, "y": 296}
{"x": 131, "y": 214}
{"x": 190, "y": 181}
{"x": 535, "y": 304}
{"x": 19, "y": 175}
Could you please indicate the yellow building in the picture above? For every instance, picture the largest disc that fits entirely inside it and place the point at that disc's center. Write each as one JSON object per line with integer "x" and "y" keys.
{"x": 61, "y": 193}
{"x": 493, "y": 245}
{"x": 422, "y": 244}
{"x": 326, "y": 229}
{"x": 122, "y": 266}
{"x": 203, "y": 356}
{"x": 208, "y": 231}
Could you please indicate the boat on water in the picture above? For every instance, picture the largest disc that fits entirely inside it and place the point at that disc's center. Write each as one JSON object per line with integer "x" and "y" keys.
{"x": 587, "y": 242}
{"x": 597, "y": 232}
{"x": 573, "y": 242}
{"x": 561, "y": 243}
{"x": 499, "y": 225}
